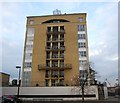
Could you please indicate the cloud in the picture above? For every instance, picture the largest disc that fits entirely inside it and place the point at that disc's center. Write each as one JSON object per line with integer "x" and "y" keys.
{"x": 12, "y": 30}
{"x": 103, "y": 44}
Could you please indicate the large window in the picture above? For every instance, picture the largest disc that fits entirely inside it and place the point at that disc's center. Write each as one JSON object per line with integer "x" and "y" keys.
{"x": 81, "y": 28}
{"x": 82, "y": 45}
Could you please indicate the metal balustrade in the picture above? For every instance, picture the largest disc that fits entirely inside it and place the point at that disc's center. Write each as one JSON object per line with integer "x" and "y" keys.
{"x": 44, "y": 66}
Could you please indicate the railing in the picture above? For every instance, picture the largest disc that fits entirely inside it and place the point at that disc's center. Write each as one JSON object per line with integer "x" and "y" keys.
{"x": 55, "y": 40}
{"x": 66, "y": 66}
{"x": 55, "y": 31}
{"x": 55, "y": 57}
{"x": 55, "y": 48}
{"x": 44, "y": 66}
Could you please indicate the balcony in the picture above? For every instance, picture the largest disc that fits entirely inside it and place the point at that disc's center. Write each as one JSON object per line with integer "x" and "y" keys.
{"x": 66, "y": 66}
{"x": 44, "y": 67}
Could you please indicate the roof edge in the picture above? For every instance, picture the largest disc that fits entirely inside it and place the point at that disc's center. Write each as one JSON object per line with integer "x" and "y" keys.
{"x": 57, "y": 15}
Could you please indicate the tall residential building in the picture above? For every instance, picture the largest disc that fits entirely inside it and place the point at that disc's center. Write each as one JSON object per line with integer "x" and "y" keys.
{"x": 56, "y": 47}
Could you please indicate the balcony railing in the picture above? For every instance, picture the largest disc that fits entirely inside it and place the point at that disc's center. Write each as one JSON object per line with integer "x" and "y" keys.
{"x": 55, "y": 40}
{"x": 55, "y": 57}
{"x": 55, "y": 31}
{"x": 65, "y": 66}
{"x": 55, "y": 48}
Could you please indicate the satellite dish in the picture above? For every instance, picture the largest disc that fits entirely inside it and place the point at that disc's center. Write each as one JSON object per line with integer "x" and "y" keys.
{"x": 56, "y": 12}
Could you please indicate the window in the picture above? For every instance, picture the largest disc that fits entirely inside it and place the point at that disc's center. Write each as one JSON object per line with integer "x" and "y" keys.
{"x": 81, "y": 36}
{"x": 55, "y": 38}
{"x": 27, "y": 64}
{"x": 81, "y": 28}
{"x": 26, "y": 80}
{"x": 47, "y": 82}
{"x": 48, "y": 63}
{"x": 30, "y": 39}
{"x": 61, "y": 28}
{"x": 55, "y": 28}
{"x": 48, "y": 37}
{"x": 55, "y": 55}
{"x": 48, "y": 54}
{"x": 31, "y": 22}
{"x": 82, "y": 53}
{"x": 61, "y": 73}
{"x": 61, "y": 63}
{"x": 54, "y": 82}
{"x": 82, "y": 62}
{"x": 55, "y": 64}
{"x": 61, "y": 36}
{"x": 30, "y": 31}
{"x": 81, "y": 19}
{"x": 55, "y": 46}
{"x": 61, "y": 54}
{"x": 48, "y": 29}
{"x": 28, "y": 55}
{"x": 61, "y": 82}
{"x": 54, "y": 73}
{"x": 81, "y": 45}
{"x": 47, "y": 73}
{"x": 29, "y": 47}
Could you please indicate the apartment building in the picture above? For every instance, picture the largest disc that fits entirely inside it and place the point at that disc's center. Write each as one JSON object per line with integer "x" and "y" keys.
{"x": 55, "y": 49}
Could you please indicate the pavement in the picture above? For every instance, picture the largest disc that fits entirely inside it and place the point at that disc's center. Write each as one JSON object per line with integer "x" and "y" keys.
{"x": 70, "y": 102}
{"x": 111, "y": 99}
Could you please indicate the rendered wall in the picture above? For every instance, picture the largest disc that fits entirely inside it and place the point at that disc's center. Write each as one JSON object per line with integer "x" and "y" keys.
{"x": 50, "y": 91}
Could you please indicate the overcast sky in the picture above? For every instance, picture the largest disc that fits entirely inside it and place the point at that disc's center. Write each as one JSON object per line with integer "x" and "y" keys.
{"x": 102, "y": 28}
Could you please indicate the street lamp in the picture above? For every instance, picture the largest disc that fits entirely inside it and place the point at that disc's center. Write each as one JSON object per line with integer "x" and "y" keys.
{"x": 18, "y": 67}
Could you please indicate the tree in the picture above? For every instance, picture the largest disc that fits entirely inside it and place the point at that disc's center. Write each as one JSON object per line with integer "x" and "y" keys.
{"x": 86, "y": 77}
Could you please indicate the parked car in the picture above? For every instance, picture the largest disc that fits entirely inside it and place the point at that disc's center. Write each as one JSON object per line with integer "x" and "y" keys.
{"x": 10, "y": 99}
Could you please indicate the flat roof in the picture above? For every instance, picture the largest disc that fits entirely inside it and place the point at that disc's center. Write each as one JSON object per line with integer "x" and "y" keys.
{"x": 57, "y": 15}
{"x": 4, "y": 73}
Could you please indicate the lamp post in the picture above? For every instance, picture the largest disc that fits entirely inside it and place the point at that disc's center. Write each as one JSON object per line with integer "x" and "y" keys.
{"x": 18, "y": 67}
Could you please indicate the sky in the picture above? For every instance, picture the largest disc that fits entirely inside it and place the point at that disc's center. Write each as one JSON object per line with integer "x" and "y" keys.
{"x": 102, "y": 29}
